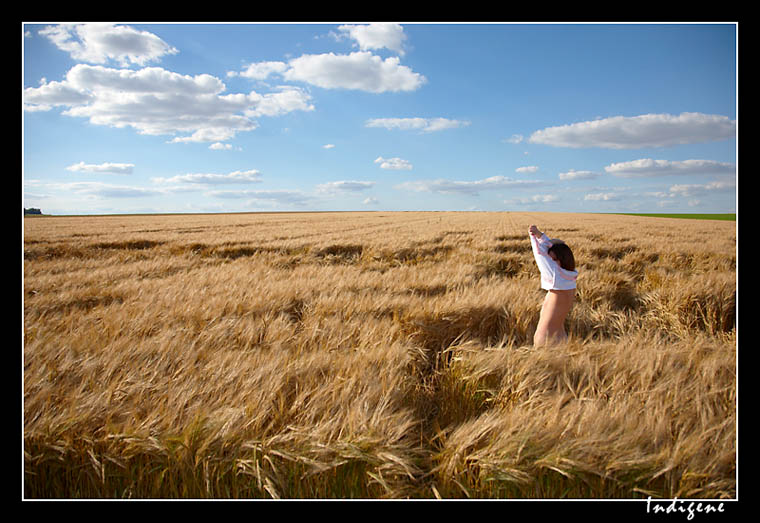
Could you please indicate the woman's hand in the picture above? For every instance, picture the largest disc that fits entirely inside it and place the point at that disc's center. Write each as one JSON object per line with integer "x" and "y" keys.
{"x": 534, "y": 231}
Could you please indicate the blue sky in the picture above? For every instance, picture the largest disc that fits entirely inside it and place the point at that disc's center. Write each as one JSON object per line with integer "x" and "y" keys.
{"x": 184, "y": 118}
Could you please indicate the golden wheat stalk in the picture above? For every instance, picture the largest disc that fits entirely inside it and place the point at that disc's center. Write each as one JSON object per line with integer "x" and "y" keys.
{"x": 375, "y": 355}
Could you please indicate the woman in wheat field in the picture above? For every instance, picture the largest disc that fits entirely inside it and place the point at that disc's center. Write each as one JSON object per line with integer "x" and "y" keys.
{"x": 557, "y": 267}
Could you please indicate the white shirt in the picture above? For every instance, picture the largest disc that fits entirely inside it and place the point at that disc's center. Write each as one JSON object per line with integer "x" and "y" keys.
{"x": 553, "y": 277}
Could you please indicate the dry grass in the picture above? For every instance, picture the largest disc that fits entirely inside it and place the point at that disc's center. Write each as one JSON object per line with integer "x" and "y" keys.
{"x": 375, "y": 355}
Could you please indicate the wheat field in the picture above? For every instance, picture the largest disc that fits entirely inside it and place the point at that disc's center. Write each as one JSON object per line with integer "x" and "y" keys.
{"x": 375, "y": 355}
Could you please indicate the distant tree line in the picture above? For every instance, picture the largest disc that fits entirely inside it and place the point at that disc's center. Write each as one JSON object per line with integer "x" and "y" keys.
{"x": 32, "y": 210}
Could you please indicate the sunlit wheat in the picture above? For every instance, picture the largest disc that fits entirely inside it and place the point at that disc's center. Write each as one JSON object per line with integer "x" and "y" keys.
{"x": 375, "y": 355}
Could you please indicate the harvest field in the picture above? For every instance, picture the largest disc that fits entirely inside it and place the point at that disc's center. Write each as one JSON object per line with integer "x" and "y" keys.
{"x": 375, "y": 355}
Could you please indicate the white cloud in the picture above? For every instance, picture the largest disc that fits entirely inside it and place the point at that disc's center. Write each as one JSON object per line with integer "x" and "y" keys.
{"x": 52, "y": 94}
{"x": 688, "y": 190}
{"x": 605, "y": 197}
{"x": 286, "y": 100}
{"x": 656, "y": 194}
{"x": 649, "y": 130}
{"x": 214, "y": 134}
{"x": 514, "y": 139}
{"x": 649, "y": 167}
{"x": 270, "y": 197}
{"x": 218, "y": 146}
{"x": 360, "y": 70}
{"x": 100, "y": 42}
{"x": 112, "y": 168}
{"x": 328, "y": 146}
{"x": 393, "y": 163}
{"x": 370, "y": 201}
{"x": 538, "y": 198}
{"x": 421, "y": 124}
{"x": 250, "y": 176}
{"x": 130, "y": 83}
{"x": 155, "y": 101}
{"x": 529, "y": 169}
{"x": 469, "y": 187}
{"x": 572, "y": 174}
{"x": 377, "y": 36}
{"x": 101, "y": 190}
{"x": 115, "y": 191}
{"x": 343, "y": 186}
{"x": 260, "y": 70}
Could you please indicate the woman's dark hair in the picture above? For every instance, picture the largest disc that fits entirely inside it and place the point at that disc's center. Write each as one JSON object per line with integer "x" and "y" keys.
{"x": 564, "y": 256}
